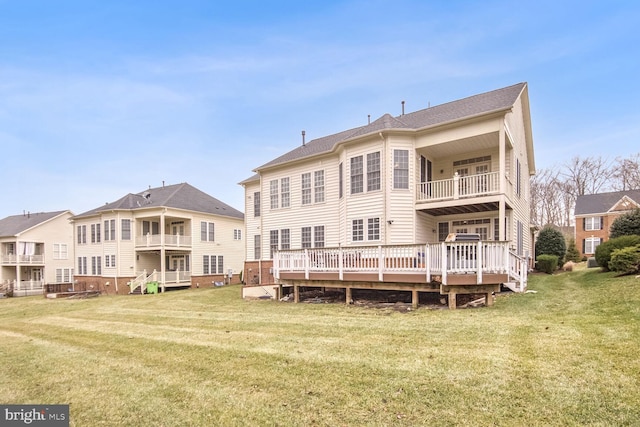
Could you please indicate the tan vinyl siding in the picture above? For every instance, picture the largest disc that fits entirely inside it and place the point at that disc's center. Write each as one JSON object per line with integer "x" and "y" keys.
{"x": 55, "y": 230}
{"x": 297, "y": 215}
{"x": 400, "y": 201}
{"x": 368, "y": 204}
{"x": 515, "y": 124}
{"x": 252, "y": 222}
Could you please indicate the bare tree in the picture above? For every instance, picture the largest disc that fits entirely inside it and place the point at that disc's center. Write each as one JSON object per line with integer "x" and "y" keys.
{"x": 554, "y": 191}
{"x": 547, "y": 198}
{"x": 588, "y": 175}
{"x": 626, "y": 173}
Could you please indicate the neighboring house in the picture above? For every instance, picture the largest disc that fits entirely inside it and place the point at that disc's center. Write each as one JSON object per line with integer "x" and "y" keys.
{"x": 37, "y": 249}
{"x": 594, "y": 214}
{"x": 171, "y": 237}
{"x": 350, "y": 203}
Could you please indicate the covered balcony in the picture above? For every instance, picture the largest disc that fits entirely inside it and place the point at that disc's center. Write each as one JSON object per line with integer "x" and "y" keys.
{"x": 459, "y": 187}
{"x": 154, "y": 233}
{"x": 22, "y": 253}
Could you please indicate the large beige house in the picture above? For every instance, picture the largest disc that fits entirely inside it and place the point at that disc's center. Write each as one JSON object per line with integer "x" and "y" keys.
{"x": 36, "y": 248}
{"x": 172, "y": 236}
{"x": 375, "y": 204}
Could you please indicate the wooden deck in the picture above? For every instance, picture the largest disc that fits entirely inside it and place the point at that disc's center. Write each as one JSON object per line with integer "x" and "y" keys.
{"x": 447, "y": 268}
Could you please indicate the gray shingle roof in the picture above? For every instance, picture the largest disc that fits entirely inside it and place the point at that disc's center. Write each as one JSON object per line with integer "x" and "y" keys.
{"x": 16, "y": 224}
{"x": 180, "y": 196}
{"x": 601, "y": 203}
{"x": 484, "y": 103}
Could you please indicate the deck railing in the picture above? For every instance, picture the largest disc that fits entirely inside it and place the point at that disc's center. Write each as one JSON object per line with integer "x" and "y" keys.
{"x": 433, "y": 259}
{"x": 459, "y": 187}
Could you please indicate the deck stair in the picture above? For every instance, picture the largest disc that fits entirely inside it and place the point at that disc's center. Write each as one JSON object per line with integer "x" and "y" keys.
{"x": 138, "y": 286}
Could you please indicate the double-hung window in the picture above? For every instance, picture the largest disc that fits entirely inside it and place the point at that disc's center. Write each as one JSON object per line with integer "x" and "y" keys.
{"x": 356, "y": 175}
{"x": 318, "y": 186}
{"x": 306, "y": 188}
{"x": 373, "y": 171}
{"x": 273, "y": 191}
{"x": 593, "y": 223}
{"x": 400, "y": 168}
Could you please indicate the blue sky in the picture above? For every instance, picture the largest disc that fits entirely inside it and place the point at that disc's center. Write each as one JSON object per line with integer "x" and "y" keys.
{"x": 103, "y": 98}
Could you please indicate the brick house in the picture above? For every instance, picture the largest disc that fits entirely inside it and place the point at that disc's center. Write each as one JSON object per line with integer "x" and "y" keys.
{"x": 594, "y": 214}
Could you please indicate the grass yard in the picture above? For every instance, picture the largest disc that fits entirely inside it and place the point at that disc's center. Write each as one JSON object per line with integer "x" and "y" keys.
{"x": 566, "y": 355}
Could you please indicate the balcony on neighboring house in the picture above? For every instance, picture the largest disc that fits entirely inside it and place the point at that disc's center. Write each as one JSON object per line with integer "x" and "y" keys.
{"x": 152, "y": 241}
{"x": 28, "y": 253}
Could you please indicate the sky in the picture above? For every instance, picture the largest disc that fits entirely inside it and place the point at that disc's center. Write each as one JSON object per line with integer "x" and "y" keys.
{"x": 99, "y": 99}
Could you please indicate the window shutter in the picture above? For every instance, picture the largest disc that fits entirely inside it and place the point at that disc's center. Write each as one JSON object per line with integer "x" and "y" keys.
{"x": 584, "y": 223}
{"x": 601, "y": 223}
{"x": 584, "y": 246}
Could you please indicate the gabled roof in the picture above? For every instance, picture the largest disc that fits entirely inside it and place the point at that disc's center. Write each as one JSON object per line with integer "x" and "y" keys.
{"x": 603, "y": 202}
{"x": 179, "y": 196}
{"x": 14, "y": 225}
{"x": 254, "y": 178}
{"x": 477, "y": 105}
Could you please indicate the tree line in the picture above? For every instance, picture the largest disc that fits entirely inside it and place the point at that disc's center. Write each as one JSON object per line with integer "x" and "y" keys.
{"x": 554, "y": 190}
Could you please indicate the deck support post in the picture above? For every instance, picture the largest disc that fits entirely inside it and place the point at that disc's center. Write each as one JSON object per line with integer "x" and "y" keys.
{"x": 489, "y": 301}
{"x": 414, "y": 298}
{"x": 452, "y": 300}
{"x": 296, "y": 293}
{"x": 347, "y": 292}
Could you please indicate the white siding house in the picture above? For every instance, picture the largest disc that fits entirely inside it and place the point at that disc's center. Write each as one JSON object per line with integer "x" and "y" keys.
{"x": 36, "y": 249}
{"x": 170, "y": 236}
{"x": 410, "y": 180}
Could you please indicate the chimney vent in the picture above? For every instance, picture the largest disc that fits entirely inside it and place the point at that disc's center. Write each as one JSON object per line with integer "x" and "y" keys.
{"x": 303, "y": 134}
{"x": 403, "y": 108}
{"x": 369, "y": 118}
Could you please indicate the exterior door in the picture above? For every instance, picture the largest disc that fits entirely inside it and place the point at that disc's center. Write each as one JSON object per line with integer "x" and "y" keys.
{"x": 36, "y": 274}
{"x": 463, "y": 188}
{"x": 481, "y": 179}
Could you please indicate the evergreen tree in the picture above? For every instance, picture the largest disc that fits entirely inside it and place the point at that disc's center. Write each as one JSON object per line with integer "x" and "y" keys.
{"x": 551, "y": 242}
{"x": 626, "y": 225}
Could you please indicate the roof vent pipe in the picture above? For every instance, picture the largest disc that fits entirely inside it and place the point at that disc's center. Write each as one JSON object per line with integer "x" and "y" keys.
{"x": 303, "y": 133}
{"x": 403, "y": 108}
{"x": 369, "y": 118}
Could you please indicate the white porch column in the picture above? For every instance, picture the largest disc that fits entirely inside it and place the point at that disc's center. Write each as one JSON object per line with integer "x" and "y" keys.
{"x": 163, "y": 264}
{"x": 340, "y": 264}
{"x": 18, "y": 269}
{"x": 502, "y": 150}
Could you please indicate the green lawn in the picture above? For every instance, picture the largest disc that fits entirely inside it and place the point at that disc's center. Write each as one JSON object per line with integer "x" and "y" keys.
{"x": 566, "y": 355}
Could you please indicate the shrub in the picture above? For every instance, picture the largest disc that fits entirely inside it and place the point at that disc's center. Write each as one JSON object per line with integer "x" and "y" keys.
{"x": 626, "y": 225}
{"x": 551, "y": 242}
{"x": 625, "y": 260}
{"x": 603, "y": 251}
{"x": 572, "y": 252}
{"x": 547, "y": 263}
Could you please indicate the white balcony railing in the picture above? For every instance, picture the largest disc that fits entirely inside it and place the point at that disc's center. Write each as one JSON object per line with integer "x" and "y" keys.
{"x": 173, "y": 240}
{"x": 459, "y": 187}
{"x": 22, "y": 259}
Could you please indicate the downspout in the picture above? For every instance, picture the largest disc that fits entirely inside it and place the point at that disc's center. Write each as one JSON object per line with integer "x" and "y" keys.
{"x": 385, "y": 193}
{"x": 385, "y": 196}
